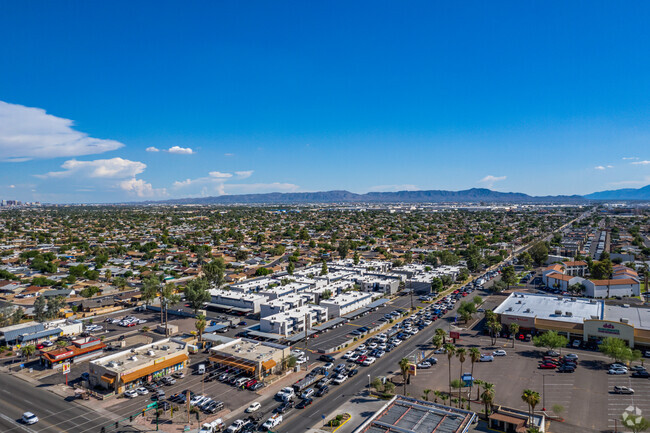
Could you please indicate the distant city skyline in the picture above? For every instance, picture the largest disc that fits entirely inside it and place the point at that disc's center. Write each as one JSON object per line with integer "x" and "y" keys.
{"x": 187, "y": 100}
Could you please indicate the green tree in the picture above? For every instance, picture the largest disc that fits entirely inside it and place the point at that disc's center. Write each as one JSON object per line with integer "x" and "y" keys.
{"x": 525, "y": 259}
{"x": 28, "y": 351}
{"x": 17, "y": 315}
{"x": 616, "y": 349}
{"x": 461, "y": 354}
{"x": 636, "y": 423}
{"x": 168, "y": 296}
{"x": 531, "y": 398}
{"x": 539, "y": 253}
{"x": 514, "y": 329}
{"x": 426, "y": 393}
{"x": 404, "y": 364}
{"x": 197, "y": 293}
{"x": 508, "y": 276}
{"x": 323, "y": 269}
{"x": 451, "y": 351}
{"x": 487, "y": 397}
{"x": 436, "y": 285}
{"x": 291, "y": 268}
{"x": 200, "y": 325}
{"x": 355, "y": 258}
{"x": 326, "y": 294}
{"x": 442, "y": 334}
{"x": 550, "y": 340}
{"x": 457, "y": 384}
{"x": 602, "y": 270}
{"x": 40, "y": 313}
{"x": 149, "y": 289}
{"x": 474, "y": 357}
{"x": 214, "y": 272}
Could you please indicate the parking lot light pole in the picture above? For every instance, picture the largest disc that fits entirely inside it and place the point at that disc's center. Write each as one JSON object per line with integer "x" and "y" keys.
{"x": 543, "y": 393}
{"x": 368, "y": 383}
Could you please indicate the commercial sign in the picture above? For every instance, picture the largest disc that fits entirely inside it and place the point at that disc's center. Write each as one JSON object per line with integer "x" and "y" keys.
{"x": 65, "y": 368}
{"x": 608, "y": 328}
{"x": 413, "y": 370}
{"x": 522, "y": 321}
{"x": 159, "y": 360}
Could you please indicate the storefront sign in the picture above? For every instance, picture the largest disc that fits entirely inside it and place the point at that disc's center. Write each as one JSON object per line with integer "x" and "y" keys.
{"x": 158, "y": 361}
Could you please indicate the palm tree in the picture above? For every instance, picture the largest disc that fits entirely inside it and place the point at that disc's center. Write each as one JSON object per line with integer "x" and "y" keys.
{"x": 426, "y": 394}
{"x": 451, "y": 351}
{"x": 461, "y": 353}
{"x": 404, "y": 368}
{"x": 531, "y": 398}
{"x": 436, "y": 342}
{"x": 488, "y": 396}
{"x": 514, "y": 328}
{"x": 200, "y": 325}
{"x": 441, "y": 332}
{"x": 168, "y": 297}
{"x": 474, "y": 356}
{"x": 28, "y": 351}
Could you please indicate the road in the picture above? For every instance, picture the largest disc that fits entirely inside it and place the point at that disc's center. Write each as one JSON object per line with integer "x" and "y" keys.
{"x": 55, "y": 414}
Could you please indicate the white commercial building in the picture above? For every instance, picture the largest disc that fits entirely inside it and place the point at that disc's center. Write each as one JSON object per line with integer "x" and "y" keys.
{"x": 228, "y": 299}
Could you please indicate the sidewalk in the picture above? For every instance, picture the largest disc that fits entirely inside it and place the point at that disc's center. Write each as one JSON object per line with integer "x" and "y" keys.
{"x": 360, "y": 407}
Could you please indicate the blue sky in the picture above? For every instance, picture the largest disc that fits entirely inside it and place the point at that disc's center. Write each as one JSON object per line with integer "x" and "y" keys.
{"x": 534, "y": 97}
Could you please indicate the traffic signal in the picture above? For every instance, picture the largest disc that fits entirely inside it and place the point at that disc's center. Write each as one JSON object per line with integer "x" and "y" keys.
{"x": 144, "y": 411}
{"x": 117, "y": 424}
{"x": 130, "y": 418}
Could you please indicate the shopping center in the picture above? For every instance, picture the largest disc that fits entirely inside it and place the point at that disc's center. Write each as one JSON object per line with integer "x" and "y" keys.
{"x": 590, "y": 320}
{"x": 131, "y": 368}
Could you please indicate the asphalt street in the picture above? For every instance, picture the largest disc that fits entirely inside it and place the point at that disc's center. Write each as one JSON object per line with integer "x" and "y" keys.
{"x": 55, "y": 414}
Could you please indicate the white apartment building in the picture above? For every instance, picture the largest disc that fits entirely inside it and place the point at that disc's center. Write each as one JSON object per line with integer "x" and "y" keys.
{"x": 293, "y": 321}
{"x": 345, "y": 303}
{"x": 245, "y": 302}
{"x": 286, "y": 303}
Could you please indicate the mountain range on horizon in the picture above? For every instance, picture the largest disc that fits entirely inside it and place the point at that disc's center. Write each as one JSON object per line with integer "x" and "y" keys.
{"x": 423, "y": 196}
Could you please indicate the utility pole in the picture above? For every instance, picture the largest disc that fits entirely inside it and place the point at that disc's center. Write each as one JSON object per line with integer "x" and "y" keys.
{"x": 307, "y": 326}
{"x": 187, "y": 394}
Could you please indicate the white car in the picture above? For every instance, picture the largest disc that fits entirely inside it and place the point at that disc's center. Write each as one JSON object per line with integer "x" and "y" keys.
{"x": 424, "y": 364}
{"x": 340, "y": 379}
{"x": 131, "y": 393}
{"x": 253, "y": 407}
{"x": 623, "y": 390}
{"x": 486, "y": 358}
{"x": 297, "y": 353}
{"x": 618, "y": 366}
{"x": 47, "y": 343}
{"x": 142, "y": 391}
{"x": 235, "y": 426}
{"x": 29, "y": 418}
{"x": 617, "y": 371}
{"x": 328, "y": 366}
{"x": 499, "y": 353}
{"x": 348, "y": 354}
{"x": 354, "y": 357}
{"x": 288, "y": 391}
{"x": 368, "y": 361}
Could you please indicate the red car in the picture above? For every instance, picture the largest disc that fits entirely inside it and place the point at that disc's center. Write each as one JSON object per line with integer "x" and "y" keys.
{"x": 40, "y": 346}
{"x": 361, "y": 359}
{"x": 547, "y": 366}
{"x": 250, "y": 383}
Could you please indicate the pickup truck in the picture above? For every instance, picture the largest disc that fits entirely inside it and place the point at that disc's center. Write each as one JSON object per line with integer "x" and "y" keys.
{"x": 272, "y": 422}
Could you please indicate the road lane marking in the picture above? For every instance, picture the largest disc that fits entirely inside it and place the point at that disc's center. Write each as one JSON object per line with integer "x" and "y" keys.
{"x": 13, "y": 421}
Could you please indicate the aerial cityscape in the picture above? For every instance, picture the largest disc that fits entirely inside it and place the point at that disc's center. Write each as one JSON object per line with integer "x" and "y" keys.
{"x": 319, "y": 217}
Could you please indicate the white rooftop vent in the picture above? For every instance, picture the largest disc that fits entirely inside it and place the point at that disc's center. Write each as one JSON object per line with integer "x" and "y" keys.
{"x": 624, "y": 320}
{"x": 133, "y": 358}
{"x": 626, "y": 305}
{"x": 151, "y": 352}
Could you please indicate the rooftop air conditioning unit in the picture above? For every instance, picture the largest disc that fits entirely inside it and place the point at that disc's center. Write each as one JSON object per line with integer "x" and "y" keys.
{"x": 151, "y": 352}
{"x": 133, "y": 358}
{"x": 558, "y": 312}
{"x": 569, "y": 314}
{"x": 624, "y": 320}
{"x": 164, "y": 347}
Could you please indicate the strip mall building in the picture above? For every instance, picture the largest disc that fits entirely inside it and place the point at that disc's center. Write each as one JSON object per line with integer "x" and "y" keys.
{"x": 131, "y": 368}
{"x": 576, "y": 318}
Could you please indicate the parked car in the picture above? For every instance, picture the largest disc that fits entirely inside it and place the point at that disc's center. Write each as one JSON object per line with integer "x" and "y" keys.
{"x": 641, "y": 374}
{"x": 486, "y": 358}
{"x": 142, "y": 390}
{"x": 499, "y": 352}
{"x": 547, "y": 366}
{"x": 29, "y": 418}
{"x": 623, "y": 390}
{"x": 424, "y": 364}
{"x": 321, "y": 392}
{"x": 566, "y": 369}
{"x": 617, "y": 371}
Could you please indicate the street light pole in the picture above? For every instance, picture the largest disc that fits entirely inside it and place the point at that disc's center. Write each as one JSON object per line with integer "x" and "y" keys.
{"x": 368, "y": 383}
{"x": 543, "y": 392}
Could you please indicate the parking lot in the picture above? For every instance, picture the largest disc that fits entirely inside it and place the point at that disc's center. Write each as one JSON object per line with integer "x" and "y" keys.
{"x": 586, "y": 396}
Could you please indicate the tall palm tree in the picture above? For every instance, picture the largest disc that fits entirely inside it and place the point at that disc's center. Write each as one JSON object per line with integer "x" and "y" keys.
{"x": 441, "y": 332}
{"x": 514, "y": 328}
{"x": 28, "y": 351}
{"x": 531, "y": 398}
{"x": 461, "y": 353}
{"x": 488, "y": 396}
{"x": 451, "y": 351}
{"x": 200, "y": 325}
{"x": 436, "y": 342}
{"x": 404, "y": 368}
{"x": 168, "y": 297}
{"x": 474, "y": 356}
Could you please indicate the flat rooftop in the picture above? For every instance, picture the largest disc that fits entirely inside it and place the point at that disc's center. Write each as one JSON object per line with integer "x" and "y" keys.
{"x": 346, "y": 298}
{"x": 546, "y": 307}
{"x": 639, "y": 317}
{"x": 230, "y": 294}
{"x": 141, "y": 356}
{"x": 408, "y": 415}
{"x": 249, "y": 349}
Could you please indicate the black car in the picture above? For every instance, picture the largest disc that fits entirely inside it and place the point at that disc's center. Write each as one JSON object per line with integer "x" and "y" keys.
{"x": 641, "y": 374}
{"x": 164, "y": 405}
{"x": 327, "y": 358}
{"x": 304, "y": 403}
{"x": 285, "y": 406}
{"x": 324, "y": 390}
{"x": 353, "y": 372}
{"x": 566, "y": 369}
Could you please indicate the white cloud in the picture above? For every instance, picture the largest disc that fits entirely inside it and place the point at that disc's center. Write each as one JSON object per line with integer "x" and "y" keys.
{"x": 220, "y": 175}
{"x": 599, "y": 167}
{"x": 644, "y": 181}
{"x": 228, "y": 154}
{"x": 626, "y": 158}
{"x": 140, "y": 188}
{"x": 180, "y": 150}
{"x": 12, "y": 186}
{"x": 114, "y": 168}
{"x": 27, "y": 133}
{"x": 393, "y": 188}
{"x": 610, "y": 166}
{"x": 640, "y": 162}
{"x": 152, "y": 149}
{"x": 489, "y": 180}
{"x": 244, "y": 174}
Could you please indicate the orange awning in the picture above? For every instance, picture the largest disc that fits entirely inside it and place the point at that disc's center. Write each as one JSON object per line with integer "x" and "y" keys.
{"x": 109, "y": 378}
{"x": 223, "y": 360}
{"x": 268, "y": 364}
{"x": 145, "y": 371}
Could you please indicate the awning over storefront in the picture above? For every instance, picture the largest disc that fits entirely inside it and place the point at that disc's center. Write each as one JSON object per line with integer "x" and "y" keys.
{"x": 145, "y": 371}
{"x": 269, "y": 364}
{"x": 232, "y": 362}
{"x": 109, "y": 378}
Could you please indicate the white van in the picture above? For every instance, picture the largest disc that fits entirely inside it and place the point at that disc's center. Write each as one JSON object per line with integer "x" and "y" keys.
{"x": 200, "y": 369}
